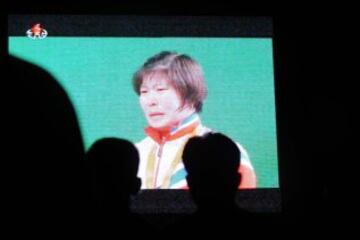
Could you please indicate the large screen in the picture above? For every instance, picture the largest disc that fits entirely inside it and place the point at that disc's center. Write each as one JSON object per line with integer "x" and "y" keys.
{"x": 95, "y": 58}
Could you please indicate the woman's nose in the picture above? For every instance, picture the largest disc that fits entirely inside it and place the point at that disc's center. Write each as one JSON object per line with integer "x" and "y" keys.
{"x": 152, "y": 99}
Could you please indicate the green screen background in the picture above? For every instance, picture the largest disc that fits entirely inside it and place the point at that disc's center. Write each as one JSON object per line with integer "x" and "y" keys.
{"x": 96, "y": 72}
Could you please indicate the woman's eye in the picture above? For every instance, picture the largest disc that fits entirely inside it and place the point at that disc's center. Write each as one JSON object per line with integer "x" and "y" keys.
{"x": 143, "y": 91}
{"x": 161, "y": 89}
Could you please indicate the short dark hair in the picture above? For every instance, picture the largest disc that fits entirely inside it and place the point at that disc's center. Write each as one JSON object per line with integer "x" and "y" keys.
{"x": 184, "y": 73}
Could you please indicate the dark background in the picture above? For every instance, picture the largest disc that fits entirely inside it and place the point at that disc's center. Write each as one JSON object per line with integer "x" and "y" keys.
{"x": 314, "y": 100}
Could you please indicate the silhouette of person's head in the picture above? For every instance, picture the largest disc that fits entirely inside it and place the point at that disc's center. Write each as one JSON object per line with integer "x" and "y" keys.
{"x": 212, "y": 162}
{"x": 45, "y": 144}
{"x": 113, "y": 164}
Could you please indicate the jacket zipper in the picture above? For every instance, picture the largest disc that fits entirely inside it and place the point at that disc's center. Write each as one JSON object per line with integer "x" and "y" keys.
{"x": 159, "y": 154}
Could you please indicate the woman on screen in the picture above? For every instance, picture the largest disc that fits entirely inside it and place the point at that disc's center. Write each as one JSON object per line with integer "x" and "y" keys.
{"x": 171, "y": 90}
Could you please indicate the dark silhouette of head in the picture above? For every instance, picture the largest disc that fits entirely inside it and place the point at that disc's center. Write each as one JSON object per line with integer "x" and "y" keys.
{"x": 112, "y": 166}
{"x": 212, "y": 162}
{"x": 44, "y": 143}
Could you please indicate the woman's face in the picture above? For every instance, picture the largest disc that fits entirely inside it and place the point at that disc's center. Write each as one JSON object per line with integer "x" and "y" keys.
{"x": 161, "y": 103}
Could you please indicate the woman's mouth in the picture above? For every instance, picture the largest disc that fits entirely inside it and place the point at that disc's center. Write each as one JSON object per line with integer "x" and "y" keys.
{"x": 156, "y": 114}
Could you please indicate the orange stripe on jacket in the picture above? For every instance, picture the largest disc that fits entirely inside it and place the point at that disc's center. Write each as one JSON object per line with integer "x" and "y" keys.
{"x": 248, "y": 177}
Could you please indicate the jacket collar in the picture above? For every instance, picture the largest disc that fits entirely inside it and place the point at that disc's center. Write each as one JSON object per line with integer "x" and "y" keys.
{"x": 186, "y": 126}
